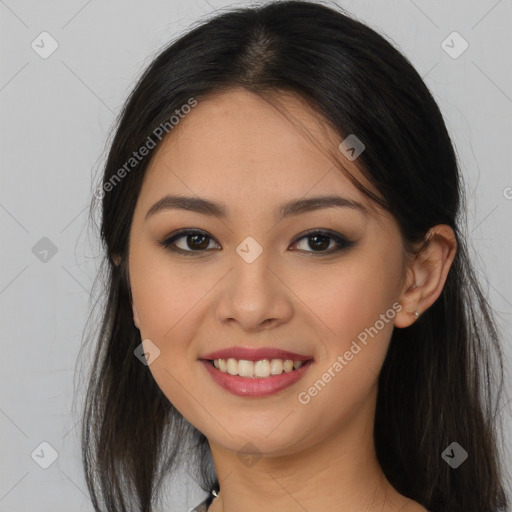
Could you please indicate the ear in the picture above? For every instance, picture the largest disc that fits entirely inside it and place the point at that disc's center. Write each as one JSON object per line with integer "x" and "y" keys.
{"x": 426, "y": 274}
{"x": 135, "y": 316}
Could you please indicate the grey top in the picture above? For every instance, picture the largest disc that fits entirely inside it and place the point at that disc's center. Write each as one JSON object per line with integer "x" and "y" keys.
{"x": 202, "y": 507}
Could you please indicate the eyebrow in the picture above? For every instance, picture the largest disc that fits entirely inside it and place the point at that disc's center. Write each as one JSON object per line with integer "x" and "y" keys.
{"x": 294, "y": 207}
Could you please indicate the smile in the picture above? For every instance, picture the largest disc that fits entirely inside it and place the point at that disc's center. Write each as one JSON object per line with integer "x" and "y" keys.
{"x": 256, "y": 369}
{"x": 255, "y": 378}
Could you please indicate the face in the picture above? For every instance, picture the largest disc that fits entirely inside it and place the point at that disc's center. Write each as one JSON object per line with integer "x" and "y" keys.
{"x": 321, "y": 281}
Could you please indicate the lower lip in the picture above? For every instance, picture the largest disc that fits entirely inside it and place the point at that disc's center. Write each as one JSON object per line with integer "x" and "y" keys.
{"x": 247, "y": 386}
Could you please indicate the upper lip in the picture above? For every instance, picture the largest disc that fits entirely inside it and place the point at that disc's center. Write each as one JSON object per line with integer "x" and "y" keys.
{"x": 255, "y": 354}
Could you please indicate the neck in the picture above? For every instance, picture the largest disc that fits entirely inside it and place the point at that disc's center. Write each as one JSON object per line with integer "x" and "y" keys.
{"x": 337, "y": 474}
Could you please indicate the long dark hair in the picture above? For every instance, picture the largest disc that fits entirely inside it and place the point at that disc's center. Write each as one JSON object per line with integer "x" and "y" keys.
{"x": 442, "y": 379}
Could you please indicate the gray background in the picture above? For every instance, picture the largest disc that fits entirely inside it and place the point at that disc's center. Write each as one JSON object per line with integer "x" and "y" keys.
{"x": 57, "y": 114}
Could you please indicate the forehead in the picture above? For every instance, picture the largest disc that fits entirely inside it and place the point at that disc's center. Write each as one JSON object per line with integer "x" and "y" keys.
{"x": 245, "y": 148}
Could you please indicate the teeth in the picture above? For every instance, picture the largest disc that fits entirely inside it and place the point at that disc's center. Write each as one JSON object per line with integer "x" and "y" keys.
{"x": 256, "y": 369}
{"x": 276, "y": 366}
{"x": 245, "y": 368}
{"x": 232, "y": 368}
{"x": 262, "y": 368}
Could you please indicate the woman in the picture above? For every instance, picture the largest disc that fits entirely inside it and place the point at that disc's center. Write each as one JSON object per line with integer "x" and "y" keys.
{"x": 291, "y": 305}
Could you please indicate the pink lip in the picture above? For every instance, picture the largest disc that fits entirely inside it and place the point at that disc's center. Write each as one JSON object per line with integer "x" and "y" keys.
{"x": 255, "y": 354}
{"x": 255, "y": 387}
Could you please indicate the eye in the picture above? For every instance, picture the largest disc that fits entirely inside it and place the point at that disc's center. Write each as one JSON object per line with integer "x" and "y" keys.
{"x": 192, "y": 241}
{"x": 320, "y": 241}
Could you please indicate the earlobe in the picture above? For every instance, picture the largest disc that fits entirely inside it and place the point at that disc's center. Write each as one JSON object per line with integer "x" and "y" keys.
{"x": 426, "y": 274}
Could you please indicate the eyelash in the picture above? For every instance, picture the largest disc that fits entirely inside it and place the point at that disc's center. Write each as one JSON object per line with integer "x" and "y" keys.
{"x": 343, "y": 243}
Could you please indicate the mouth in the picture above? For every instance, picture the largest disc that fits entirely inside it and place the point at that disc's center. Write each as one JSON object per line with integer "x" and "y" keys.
{"x": 258, "y": 369}
{"x": 259, "y": 378}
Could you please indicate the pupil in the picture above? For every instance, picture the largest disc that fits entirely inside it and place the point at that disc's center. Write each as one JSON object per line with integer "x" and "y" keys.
{"x": 199, "y": 246}
{"x": 323, "y": 245}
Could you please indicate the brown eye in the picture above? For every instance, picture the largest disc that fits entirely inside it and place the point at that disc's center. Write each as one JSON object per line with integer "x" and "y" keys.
{"x": 193, "y": 241}
{"x": 320, "y": 242}
{"x": 197, "y": 241}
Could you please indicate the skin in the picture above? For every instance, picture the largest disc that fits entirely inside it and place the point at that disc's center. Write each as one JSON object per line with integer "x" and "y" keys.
{"x": 238, "y": 150}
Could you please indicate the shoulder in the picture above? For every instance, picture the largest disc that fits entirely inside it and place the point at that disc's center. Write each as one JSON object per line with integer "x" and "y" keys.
{"x": 202, "y": 507}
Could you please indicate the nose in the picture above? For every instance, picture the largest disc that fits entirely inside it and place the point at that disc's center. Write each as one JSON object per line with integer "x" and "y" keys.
{"x": 254, "y": 295}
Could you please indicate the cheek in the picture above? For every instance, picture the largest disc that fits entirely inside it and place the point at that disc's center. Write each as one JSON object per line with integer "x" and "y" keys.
{"x": 169, "y": 305}
{"x": 356, "y": 313}
{"x": 350, "y": 298}
{"x": 164, "y": 293}
{"x": 353, "y": 304}
{"x": 166, "y": 302}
